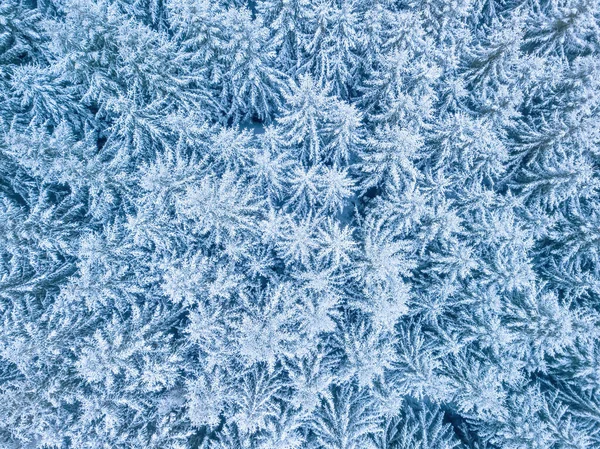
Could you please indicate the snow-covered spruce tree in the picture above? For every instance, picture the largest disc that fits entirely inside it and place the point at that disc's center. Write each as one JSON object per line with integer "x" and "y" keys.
{"x": 321, "y": 224}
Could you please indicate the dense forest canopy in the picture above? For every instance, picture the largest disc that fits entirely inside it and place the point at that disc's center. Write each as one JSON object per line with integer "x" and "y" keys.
{"x": 286, "y": 224}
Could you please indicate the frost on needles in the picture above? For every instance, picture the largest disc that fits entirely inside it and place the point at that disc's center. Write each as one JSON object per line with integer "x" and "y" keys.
{"x": 289, "y": 224}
